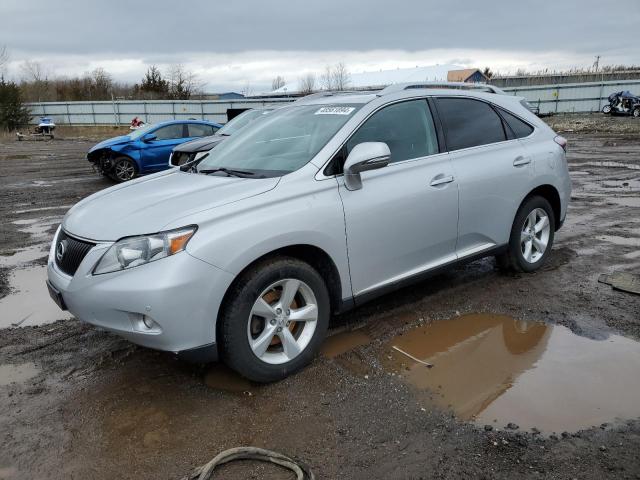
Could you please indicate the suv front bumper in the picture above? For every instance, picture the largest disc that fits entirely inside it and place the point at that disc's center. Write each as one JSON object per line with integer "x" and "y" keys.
{"x": 171, "y": 304}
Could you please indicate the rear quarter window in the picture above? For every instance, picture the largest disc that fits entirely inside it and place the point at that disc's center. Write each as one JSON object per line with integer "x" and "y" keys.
{"x": 520, "y": 128}
{"x": 469, "y": 123}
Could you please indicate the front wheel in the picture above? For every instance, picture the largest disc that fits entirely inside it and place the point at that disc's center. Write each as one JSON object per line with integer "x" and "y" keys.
{"x": 606, "y": 109}
{"x": 274, "y": 319}
{"x": 531, "y": 236}
{"x": 124, "y": 169}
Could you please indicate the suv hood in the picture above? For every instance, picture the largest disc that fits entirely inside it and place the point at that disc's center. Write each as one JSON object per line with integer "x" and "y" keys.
{"x": 200, "y": 145}
{"x": 111, "y": 142}
{"x": 148, "y": 204}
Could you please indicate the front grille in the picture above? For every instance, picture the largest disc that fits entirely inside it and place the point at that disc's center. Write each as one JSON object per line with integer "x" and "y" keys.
{"x": 70, "y": 252}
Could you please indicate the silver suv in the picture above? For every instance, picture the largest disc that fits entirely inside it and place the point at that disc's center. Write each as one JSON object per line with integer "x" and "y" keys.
{"x": 321, "y": 206}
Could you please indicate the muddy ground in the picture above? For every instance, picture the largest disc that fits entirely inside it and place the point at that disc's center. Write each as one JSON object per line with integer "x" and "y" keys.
{"x": 79, "y": 403}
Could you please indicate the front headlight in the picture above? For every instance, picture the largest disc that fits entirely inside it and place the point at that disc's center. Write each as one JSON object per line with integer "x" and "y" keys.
{"x": 134, "y": 251}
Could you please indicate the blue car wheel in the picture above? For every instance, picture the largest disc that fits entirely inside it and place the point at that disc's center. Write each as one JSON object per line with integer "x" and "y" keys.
{"x": 124, "y": 169}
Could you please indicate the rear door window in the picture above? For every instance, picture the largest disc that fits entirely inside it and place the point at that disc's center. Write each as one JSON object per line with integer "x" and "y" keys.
{"x": 469, "y": 123}
{"x": 406, "y": 127}
{"x": 519, "y": 127}
{"x": 175, "y": 130}
{"x": 200, "y": 130}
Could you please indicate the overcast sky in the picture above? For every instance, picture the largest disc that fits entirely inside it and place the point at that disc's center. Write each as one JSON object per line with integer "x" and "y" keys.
{"x": 237, "y": 43}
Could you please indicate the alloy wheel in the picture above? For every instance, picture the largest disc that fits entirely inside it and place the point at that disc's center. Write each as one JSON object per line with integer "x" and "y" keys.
{"x": 534, "y": 236}
{"x": 124, "y": 170}
{"x": 282, "y": 321}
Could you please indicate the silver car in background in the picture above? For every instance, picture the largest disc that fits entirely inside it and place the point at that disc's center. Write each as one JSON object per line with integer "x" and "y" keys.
{"x": 319, "y": 207}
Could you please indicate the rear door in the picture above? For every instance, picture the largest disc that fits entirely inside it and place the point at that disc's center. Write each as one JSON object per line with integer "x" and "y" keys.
{"x": 492, "y": 168}
{"x": 404, "y": 219}
{"x": 155, "y": 155}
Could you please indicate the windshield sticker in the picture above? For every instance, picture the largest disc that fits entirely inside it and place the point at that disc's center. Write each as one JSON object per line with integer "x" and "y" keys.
{"x": 335, "y": 111}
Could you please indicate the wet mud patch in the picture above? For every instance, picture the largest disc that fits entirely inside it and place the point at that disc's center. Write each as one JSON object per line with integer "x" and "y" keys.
{"x": 499, "y": 371}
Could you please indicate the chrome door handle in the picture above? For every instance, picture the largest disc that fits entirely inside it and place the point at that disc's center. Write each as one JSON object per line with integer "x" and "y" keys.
{"x": 439, "y": 180}
{"x": 521, "y": 161}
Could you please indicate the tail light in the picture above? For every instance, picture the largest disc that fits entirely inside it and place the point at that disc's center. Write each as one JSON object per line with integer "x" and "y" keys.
{"x": 561, "y": 141}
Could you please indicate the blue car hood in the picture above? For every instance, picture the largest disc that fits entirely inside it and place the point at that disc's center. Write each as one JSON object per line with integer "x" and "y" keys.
{"x": 111, "y": 142}
{"x": 148, "y": 204}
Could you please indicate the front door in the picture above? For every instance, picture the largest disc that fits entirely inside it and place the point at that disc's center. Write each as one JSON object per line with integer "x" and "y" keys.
{"x": 155, "y": 155}
{"x": 404, "y": 219}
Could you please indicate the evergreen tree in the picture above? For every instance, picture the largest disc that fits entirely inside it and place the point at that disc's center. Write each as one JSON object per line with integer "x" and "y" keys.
{"x": 13, "y": 112}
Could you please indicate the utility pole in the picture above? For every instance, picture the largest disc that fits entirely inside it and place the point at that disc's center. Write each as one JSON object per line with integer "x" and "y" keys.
{"x": 597, "y": 63}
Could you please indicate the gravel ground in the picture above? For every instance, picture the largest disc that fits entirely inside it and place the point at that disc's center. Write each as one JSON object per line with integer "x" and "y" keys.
{"x": 95, "y": 406}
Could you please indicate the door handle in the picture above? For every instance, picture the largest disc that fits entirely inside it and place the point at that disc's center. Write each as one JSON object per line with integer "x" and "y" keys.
{"x": 519, "y": 161}
{"x": 441, "y": 179}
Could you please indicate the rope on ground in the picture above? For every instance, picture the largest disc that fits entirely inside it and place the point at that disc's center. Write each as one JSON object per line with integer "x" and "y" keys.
{"x": 302, "y": 471}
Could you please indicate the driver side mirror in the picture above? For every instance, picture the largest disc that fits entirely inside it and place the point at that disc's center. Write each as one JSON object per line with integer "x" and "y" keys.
{"x": 149, "y": 137}
{"x": 364, "y": 156}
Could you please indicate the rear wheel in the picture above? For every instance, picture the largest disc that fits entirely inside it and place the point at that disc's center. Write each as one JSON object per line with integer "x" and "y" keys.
{"x": 636, "y": 112}
{"x": 124, "y": 169}
{"x": 531, "y": 236}
{"x": 274, "y": 320}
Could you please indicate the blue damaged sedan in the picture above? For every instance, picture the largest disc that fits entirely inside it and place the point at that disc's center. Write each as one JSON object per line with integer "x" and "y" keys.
{"x": 147, "y": 149}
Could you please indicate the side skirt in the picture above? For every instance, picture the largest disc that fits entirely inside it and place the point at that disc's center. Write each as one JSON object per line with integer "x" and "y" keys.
{"x": 349, "y": 304}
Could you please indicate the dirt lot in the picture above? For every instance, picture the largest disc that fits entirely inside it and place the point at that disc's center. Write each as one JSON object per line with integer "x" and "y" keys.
{"x": 79, "y": 403}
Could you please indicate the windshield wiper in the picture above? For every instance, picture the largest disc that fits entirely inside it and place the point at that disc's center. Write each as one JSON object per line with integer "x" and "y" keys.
{"x": 228, "y": 171}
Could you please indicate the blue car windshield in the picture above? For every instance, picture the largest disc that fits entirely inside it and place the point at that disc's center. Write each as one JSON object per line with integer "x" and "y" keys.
{"x": 281, "y": 142}
{"x": 141, "y": 131}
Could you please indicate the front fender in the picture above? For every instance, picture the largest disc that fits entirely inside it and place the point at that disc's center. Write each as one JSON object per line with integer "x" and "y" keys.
{"x": 130, "y": 151}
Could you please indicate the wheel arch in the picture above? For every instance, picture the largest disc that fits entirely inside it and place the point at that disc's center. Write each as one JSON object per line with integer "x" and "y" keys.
{"x": 314, "y": 256}
{"x": 551, "y": 194}
{"x": 320, "y": 260}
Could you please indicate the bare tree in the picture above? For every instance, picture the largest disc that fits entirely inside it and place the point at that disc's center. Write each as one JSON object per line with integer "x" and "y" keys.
{"x": 307, "y": 83}
{"x": 36, "y": 84}
{"x": 326, "y": 78}
{"x": 277, "y": 82}
{"x": 182, "y": 83}
{"x": 335, "y": 77}
{"x": 34, "y": 71}
{"x": 341, "y": 77}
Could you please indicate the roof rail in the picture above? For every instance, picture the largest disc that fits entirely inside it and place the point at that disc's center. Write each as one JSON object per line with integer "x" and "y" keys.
{"x": 483, "y": 87}
{"x": 328, "y": 93}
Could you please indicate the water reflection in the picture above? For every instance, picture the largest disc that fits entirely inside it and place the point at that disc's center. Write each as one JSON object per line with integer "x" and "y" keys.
{"x": 493, "y": 367}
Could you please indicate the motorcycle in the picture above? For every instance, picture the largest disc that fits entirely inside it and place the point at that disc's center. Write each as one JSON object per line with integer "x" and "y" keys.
{"x": 623, "y": 103}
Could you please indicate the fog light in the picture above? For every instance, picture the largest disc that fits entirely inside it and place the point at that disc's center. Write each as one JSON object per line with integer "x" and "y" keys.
{"x": 148, "y": 322}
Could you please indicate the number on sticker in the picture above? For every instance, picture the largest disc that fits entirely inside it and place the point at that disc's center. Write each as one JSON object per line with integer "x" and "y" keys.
{"x": 335, "y": 111}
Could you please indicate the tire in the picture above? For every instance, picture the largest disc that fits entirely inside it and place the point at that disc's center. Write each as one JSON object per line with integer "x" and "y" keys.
{"x": 258, "y": 339}
{"x": 528, "y": 248}
{"x": 636, "y": 112}
{"x": 606, "y": 109}
{"x": 124, "y": 169}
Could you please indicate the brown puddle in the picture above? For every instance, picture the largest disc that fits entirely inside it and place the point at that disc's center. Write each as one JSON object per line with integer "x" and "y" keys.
{"x": 493, "y": 369}
{"x": 340, "y": 343}
{"x": 17, "y": 373}
{"x": 30, "y": 303}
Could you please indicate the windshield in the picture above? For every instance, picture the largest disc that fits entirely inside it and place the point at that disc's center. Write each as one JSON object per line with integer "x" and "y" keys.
{"x": 236, "y": 123}
{"x": 281, "y": 142}
{"x": 140, "y": 131}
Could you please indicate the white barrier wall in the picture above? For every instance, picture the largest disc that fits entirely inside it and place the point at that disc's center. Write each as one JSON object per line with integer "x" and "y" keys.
{"x": 563, "y": 98}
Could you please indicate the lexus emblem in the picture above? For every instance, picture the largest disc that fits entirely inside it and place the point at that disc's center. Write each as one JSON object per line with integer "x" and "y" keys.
{"x": 60, "y": 250}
